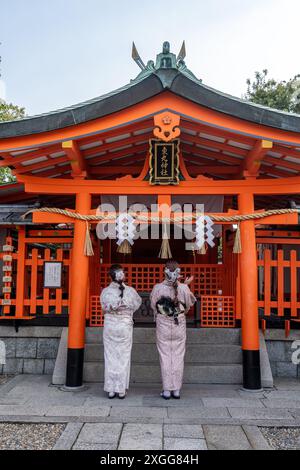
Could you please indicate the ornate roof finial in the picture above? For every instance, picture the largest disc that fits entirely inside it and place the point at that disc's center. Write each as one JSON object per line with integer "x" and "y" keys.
{"x": 182, "y": 53}
{"x": 137, "y": 58}
{"x": 166, "y": 47}
{"x": 166, "y": 60}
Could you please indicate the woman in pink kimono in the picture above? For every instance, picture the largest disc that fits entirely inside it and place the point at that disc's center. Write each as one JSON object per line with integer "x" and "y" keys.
{"x": 118, "y": 302}
{"x": 170, "y": 301}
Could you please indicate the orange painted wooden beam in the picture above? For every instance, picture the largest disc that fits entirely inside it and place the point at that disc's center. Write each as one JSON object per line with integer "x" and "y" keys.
{"x": 121, "y": 130}
{"x": 109, "y": 147}
{"x": 213, "y": 144}
{"x": 282, "y": 162}
{"x": 255, "y": 156}
{"x": 269, "y": 170}
{"x": 217, "y": 156}
{"x": 292, "y": 152}
{"x": 132, "y": 169}
{"x": 39, "y": 166}
{"x": 48, "y": 240}
{"x": 75, "y": 157}
{"x": 115, "y": 169}
{"x": 134, "y": 186}
{"x": 277, "y": 233}
{"x": 210, "y": 130}
{"x": 18, "y": 159}
{"x": 62, "y": 172}
{"x": 50, "y": 233}
{"x": 278, "y": 241}
{"x": 129, "y": 152}
{"x": 207, "y": 166}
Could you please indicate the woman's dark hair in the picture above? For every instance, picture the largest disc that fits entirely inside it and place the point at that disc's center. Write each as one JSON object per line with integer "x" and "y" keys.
{"x": 112, "y": 273}
{"x": 112, "y": 270}
{"x": 171, "y": 264}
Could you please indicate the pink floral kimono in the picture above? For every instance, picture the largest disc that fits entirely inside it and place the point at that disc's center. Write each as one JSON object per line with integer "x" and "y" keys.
{"x": 170, "y": 337}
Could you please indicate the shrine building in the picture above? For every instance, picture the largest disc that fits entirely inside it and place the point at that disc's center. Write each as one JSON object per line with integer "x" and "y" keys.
{"x": 164, "y": 140}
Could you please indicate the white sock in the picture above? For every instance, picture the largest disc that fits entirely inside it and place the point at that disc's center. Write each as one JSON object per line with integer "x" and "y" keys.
{"x": 111, "y": 394}
{"x": 176, "y": 393}
{"x": 166, "y": 393}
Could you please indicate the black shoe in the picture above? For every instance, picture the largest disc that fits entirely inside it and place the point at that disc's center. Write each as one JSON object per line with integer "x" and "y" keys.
{"x": 111, "y": 396}
{"x": 177, "y": 397}
{"x": 122, "y": 396}
{"x": 164, "y": 396}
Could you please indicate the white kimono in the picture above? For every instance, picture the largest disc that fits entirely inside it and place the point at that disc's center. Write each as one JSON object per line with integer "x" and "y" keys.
{"x": 117, "y": 335}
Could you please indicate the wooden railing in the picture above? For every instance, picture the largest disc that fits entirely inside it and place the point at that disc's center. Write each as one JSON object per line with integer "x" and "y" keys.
{"x": 208, "y": 278}
{"x": 24, "y": 296}
{"x": 279, "y": 285}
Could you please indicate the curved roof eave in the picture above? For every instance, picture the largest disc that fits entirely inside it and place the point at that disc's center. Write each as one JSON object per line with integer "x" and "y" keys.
{"x": 109, "y": 103}
{"x": 233, "y": 106}
{"x": 141, "y": 89}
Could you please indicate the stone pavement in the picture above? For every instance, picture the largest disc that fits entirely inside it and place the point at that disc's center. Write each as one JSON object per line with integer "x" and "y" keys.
{"x": 206, "y": 417}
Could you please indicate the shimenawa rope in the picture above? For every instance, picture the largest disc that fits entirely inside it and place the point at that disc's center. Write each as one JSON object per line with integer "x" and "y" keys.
{"x": 88, "y": 249}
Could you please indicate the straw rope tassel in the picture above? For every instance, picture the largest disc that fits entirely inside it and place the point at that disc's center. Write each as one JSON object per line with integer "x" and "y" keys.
{"x": 165, "y": 250}
{"x": 237, "y": 247}
{"x": 88, "y": 246}
{"x": 203, "y": 249}
{"x": 124, "y": 248}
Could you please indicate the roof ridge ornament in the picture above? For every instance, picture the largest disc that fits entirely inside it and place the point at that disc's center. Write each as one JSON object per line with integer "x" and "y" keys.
{"x": 164, "y": 60}
{"x": 182, "y": 53}
{"x": 136, "y": 57}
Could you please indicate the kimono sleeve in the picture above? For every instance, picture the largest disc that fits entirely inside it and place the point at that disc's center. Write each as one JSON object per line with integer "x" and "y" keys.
{"x": 154, "y": 297}
{"x": 135, "y": 299}
{"x": 190, "y": 299}
{"x": 108, "y": 300}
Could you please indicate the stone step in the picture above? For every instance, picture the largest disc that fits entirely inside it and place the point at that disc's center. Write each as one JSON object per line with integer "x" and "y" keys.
{"x": 194, "y": 335}
{"x": 195, "y": 353}
{"x": 193, "y": 374}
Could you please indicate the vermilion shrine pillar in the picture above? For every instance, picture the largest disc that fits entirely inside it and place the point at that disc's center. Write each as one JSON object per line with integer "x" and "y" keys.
{"x": 249, "y": 306}
{"x": 79, "y": 285}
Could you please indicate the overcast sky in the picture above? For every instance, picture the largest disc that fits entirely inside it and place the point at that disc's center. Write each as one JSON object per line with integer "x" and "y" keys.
{"x": 59, "y": 52}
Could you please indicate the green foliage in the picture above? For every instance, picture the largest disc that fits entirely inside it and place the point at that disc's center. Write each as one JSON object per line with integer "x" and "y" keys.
{"x": 6, "y": 176}
{"x": 279, "y": 95}
{"x": 9, "y": 112}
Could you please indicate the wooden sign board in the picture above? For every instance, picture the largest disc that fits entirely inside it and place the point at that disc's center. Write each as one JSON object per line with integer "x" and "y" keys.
{"x": 164, "y": 162}
{"x": 52, "y": 275}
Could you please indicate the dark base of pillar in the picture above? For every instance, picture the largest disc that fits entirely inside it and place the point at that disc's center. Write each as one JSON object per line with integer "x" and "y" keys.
{"x": 74, "y": 374}
{"x": 251, "y": 370}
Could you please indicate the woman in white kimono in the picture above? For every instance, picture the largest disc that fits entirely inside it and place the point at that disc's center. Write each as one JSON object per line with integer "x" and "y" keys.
{"x": 118, "y": 302}
{"x": 170, "y": 301}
